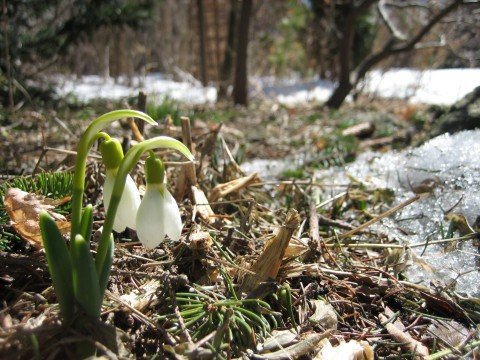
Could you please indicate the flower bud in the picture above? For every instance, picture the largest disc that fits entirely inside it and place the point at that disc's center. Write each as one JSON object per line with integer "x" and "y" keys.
{"x": 154, "y": 170}
{"x": 112, "y": 153}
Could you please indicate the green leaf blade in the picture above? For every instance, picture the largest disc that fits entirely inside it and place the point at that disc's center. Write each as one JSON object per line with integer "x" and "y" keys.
{"x": 59, "y": 265}
{"x": 85, "y": 278}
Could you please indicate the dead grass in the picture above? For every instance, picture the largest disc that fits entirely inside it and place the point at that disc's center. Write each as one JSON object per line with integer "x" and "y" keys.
{"x": 253, "y": 262}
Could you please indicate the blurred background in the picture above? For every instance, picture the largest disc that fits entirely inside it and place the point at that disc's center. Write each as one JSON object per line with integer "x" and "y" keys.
{"x": 207, "y": 40}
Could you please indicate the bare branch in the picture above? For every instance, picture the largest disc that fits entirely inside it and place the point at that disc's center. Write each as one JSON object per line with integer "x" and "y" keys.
{"x": 385, "y": 13}
{"x": 392, "y": 47}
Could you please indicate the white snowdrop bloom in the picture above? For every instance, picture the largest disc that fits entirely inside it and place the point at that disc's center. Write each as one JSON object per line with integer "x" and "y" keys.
{"x": 157, "y": 216}
{"x": 112, "y": 156}
{"x": 128, "y": 205}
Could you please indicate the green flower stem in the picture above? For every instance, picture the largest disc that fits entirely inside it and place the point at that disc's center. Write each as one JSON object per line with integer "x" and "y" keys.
{"x": 129, "y": 161}
{"x": 86, "y": 141}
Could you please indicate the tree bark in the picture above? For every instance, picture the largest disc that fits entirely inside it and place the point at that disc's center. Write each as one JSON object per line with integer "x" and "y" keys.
{"x": 345, "y": 54}
{"x": 348, "y": 78}
{"x": 227, "y": 65}
{"x": 201, "y": 34}
{"x": 240, "y": 89}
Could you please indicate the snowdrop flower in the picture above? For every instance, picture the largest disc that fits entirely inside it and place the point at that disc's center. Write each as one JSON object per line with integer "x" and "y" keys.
{"x": 158, "y": 214}
{"x": 112, "y": 155}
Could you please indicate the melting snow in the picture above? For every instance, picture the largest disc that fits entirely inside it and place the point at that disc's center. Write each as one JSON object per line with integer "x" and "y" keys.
{"x": 444, "y": 86}
{"x": 158, "y": 86}
{"x": 453, "y": 163}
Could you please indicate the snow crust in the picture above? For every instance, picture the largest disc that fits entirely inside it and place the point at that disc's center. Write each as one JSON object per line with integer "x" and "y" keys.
{"x": 452, "y": 163}
{"x": 442, "y": 87}
{"x": 158, "y": 86}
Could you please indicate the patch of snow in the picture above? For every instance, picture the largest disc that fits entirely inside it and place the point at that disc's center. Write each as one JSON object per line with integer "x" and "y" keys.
{"x": 159, "y": 86}
{"x": 441, "y": 87}
{"x": 296, "y": 91}
{"x": 444, "y": 86}
{"x": 452, "y": 162}
{"x": 267, "y": 169}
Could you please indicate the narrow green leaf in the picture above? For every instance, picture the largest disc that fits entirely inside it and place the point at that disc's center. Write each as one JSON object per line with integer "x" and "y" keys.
{"x": 59, "y": 265}
{"x": 87, "y": 223}
{"x": 85, "y": 279}
{"x": 107, "y": 264}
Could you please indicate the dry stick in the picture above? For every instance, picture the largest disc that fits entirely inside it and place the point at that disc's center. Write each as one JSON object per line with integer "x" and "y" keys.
{"x": 179, "y": 316}
{"x": 141, "y": 315}
{"x": 244, "y": 223}
{"x": 313, "y": 221}
{"x": 297, "y": 350}
{"x": 187, "y": 176}
{"x": 69, "y": 152}
{"x": 409, "y": 343}
{"x": 302, "y": 182}
{"x": 144, "y": 318}
{"x": 187, "y": 140}
{"x": 141, "y": 106}
{"x": 328, "y": 201}
{"x": 226, "y": 263}
{"x": 376, "y": 219}
{"x": 44, "y": 153}
{"x": 399, "y": 246}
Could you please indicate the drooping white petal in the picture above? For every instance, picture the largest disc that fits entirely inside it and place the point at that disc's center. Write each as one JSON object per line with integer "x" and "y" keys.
{"x": 129, "y": 202}
{"x": 108, "y": 188}
{"x": 150, "y": 222}
{"x": 158, "y": 216}
{"x": 172, "y": 219}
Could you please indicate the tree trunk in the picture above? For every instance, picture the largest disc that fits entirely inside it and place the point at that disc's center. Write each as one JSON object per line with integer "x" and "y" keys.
{"x": 349, "y": 78}
{"x": 201, "y": 33}
{"x": 227, "y": 65}
{"x": 240, "y": 89}
{"x": 339, "y": 95}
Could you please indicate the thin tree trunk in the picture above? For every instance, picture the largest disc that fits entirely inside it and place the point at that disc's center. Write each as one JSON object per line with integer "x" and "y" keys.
{"x": 345, "y": 54}
{"x": 227, "y": 65}
{"x": 201, "y": 33}
{"x": 348, "y": 81}
{"x": 11, "y": 103}
{"x": 240, "y": 89}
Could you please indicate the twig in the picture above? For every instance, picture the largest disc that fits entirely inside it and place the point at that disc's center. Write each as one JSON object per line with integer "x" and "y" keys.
{"x": 442, "y": 353}
{"x": 376, "y": 219}
{"x": 178, "y": 315}
{"x": 328, "y": 201}
{"x": 313, "y": 221}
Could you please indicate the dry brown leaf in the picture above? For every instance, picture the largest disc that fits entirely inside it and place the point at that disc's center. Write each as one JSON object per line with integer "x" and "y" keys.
{"x": 24, "y": 209}
{"x": 295, "y": 248}
{"x": 269, "y": 261}
{"x": 223, "y": 190}
{"x": 324, "y": 315}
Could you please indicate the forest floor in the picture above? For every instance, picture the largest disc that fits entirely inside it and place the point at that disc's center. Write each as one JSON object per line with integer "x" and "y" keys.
{"x": 265, "y": 269}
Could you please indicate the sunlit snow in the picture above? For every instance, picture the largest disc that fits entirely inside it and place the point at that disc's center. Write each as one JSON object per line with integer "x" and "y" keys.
{"x": 452, "y": 164}
{"x": 443, "y": 87}
{"x": 157, "y": 86}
